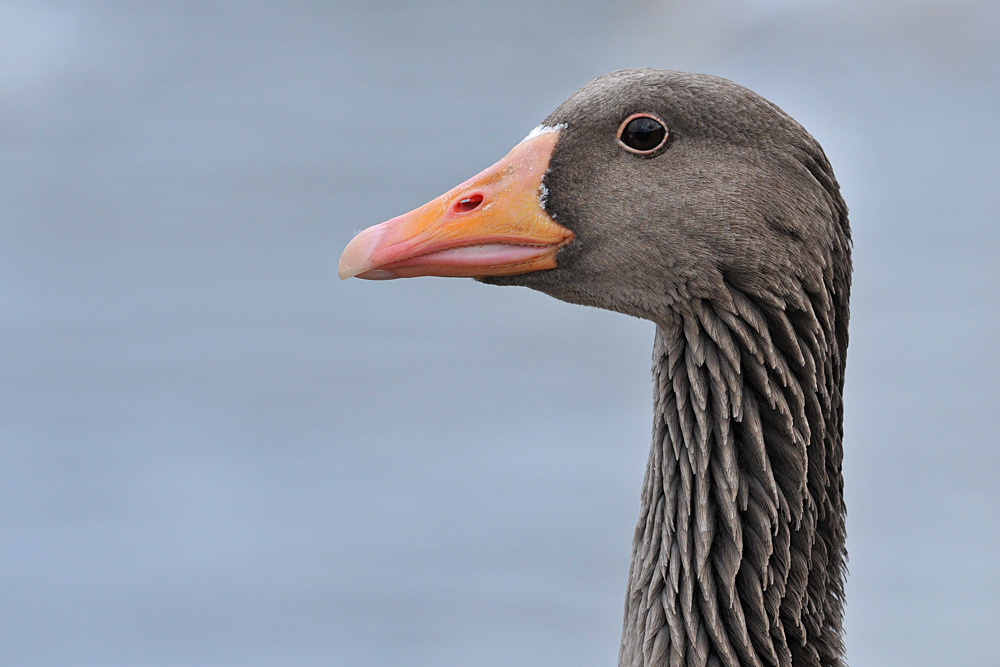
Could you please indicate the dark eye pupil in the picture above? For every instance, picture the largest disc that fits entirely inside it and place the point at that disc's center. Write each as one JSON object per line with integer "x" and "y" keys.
{"x": 643, "y": 134}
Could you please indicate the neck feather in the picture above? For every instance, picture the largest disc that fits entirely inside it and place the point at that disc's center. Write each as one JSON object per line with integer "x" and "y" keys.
{"x": 738, "y": 558}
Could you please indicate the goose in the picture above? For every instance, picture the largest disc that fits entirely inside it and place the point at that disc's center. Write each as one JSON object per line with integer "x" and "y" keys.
{"x": 690, "y": 201}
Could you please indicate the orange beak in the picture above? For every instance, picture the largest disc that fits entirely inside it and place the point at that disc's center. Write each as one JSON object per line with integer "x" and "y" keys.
{"x": 491, "y": 225}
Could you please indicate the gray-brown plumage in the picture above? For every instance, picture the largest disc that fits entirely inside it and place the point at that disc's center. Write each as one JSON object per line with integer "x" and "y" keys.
{"x": 692, "y": 202}
{"x": 733, "y": 238}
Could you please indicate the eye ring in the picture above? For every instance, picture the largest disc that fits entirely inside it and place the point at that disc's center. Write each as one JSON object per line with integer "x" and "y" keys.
{"x": 643, "y": 135}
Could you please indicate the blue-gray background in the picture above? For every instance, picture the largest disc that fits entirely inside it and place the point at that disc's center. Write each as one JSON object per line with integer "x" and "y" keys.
{"x": 213, "y": 452}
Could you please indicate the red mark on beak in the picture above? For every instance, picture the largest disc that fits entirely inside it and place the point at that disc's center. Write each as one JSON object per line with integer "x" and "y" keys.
{"x": 469, "y": 203}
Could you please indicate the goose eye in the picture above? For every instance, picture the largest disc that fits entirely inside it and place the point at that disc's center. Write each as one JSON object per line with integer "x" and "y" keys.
{"x": 642, "y": 133}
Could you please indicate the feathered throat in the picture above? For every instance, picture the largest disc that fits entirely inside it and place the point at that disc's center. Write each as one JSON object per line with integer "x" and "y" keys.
{"x": 738, "y": 556}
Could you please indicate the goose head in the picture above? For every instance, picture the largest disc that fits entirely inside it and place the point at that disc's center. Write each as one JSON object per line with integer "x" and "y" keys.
{"x": 645, "y": 190}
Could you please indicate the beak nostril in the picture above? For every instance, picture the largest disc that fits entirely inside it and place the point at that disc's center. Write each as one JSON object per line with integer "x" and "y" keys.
{"x": 469, "y": 203}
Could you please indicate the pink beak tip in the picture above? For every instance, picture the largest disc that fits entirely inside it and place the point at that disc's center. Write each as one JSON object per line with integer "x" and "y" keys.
{"x": 356, "y": 257}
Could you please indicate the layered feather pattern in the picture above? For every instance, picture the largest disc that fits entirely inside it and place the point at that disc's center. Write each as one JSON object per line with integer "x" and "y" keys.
{"x": 738, "y": 554}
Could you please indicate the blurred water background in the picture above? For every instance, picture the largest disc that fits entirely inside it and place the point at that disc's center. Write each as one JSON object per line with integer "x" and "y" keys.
{"x": 213, "y": 452}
